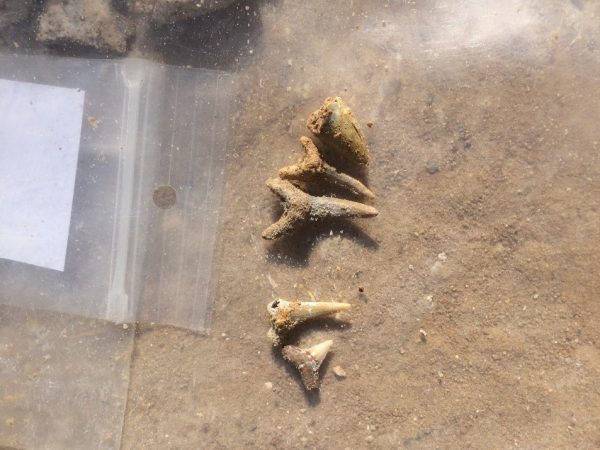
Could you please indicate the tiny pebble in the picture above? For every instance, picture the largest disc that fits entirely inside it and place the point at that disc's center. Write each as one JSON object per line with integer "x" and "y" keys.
{"x": 432, "y": 168}
{"x": 125, "y": 326}
{"x": 423, "y": 335}
{"x": 339, "y": 372}
{"x": 369, "y": 438}
{"x": 268, "y": 385}
{"x": 370, "y": 124}
{"x": 442, "y": 256}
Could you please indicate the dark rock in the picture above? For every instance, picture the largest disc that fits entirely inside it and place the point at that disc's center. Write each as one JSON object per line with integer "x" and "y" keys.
{"x": 168, "y": 11}
{"x": 432, "y": 168}
{"x": 86, "y": 23}
{"x": 14, "y": 11}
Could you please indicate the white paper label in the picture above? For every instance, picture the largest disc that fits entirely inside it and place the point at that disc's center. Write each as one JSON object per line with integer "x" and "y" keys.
{"x": 40, "y": 129}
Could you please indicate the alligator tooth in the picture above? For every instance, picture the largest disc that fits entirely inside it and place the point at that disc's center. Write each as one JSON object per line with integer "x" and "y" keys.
{"x": 308, "y": 361}
{"x": 286, "y": 315}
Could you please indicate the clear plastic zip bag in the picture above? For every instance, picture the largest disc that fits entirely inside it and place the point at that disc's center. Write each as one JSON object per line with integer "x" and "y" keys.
{"x": 110, "y": 183}
{"x": 145, "y": 197}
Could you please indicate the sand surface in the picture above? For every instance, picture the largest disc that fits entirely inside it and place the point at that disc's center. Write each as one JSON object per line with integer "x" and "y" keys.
{"x": 494, "y": 255}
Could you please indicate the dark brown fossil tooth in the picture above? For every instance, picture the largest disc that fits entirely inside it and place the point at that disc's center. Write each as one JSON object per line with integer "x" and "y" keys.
{"x": 308, "y": 361}
{"x": 300, "y": 207}
{"x": 313, "y": 167}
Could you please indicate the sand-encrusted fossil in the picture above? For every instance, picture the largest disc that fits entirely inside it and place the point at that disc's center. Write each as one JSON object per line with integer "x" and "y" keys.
{"x": 308, "y": 361}
{"x": 312, "y": 167}
{"x": 300, "y": 207}
{"x": 335, "y": 125}
{"x": 286, "y": 315}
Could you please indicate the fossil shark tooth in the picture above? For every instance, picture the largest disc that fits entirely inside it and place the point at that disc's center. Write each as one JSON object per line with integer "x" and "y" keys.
{"x": 300, "y": 207}
{"x": 286, "y": 315}
{"x": 335, "y": 125}
{"x": 313, "y": 167}
{"x": 308, "y": 361}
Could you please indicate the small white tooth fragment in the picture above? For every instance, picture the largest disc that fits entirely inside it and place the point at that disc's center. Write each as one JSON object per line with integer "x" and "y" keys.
{"x": 339, "y": 372}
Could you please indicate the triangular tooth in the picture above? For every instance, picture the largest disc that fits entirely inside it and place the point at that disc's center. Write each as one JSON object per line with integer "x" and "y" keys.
{"x": 337, "y": 127}
{"x": 319, "y": 351}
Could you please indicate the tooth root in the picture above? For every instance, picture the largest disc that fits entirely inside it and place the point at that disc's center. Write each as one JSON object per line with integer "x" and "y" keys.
{"x": 290, "y": 220}
{"x": 296, "y": 211}
{"x": 300, "y": 207}
{"x": 319, "y": 351}
{"x": 310, "y": 165}
{"x": 288, "y": 192}
{"x": 274, "y": 337}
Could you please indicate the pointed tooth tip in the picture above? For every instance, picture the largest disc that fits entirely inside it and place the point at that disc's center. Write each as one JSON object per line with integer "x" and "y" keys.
{"x": 338, "y": 306}
{"x": 319, "y": 351}
{"x": 369, "y": 194}
{"x": 341, "y": 305}
{"x": 307, "y": 310}
{"x": 371, "y": 211}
